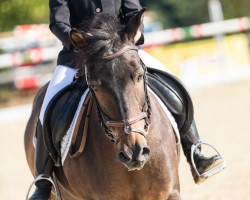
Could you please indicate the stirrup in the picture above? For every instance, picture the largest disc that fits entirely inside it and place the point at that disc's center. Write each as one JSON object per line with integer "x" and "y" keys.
{"x": 38, "y": 178}
{"x": 212, "y": 171}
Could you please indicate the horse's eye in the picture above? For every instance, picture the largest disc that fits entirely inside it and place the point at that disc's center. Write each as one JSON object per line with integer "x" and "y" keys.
{"x": 139, "y": 77}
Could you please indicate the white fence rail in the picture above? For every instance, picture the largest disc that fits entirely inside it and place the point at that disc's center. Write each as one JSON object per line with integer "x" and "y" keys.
{"x": 35, "y": 44}
{"x": 39, "y": 35}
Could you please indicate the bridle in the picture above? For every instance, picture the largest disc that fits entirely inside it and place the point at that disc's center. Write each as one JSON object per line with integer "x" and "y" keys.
{"x": 126, "y": 123}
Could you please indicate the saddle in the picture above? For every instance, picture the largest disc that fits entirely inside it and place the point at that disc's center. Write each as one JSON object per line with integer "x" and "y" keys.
{"x": 62, "y": 108}
{"x": 60, "y": 113}
{"x": 174, "y": 95}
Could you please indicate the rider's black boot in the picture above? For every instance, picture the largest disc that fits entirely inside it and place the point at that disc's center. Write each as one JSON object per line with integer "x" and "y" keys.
{"x": 203, "y": 164}
{"x": 43, "y": 165}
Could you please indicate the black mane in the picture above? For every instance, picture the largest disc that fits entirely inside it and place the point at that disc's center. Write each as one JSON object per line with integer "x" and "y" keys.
{"x": 103, "y": 29}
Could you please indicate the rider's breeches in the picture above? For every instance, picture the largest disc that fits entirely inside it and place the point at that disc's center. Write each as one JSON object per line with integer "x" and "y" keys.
{"x": 63, "y": 76}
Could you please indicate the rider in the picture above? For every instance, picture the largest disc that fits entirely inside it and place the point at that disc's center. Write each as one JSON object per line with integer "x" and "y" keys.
{"x": 67, "y": 14}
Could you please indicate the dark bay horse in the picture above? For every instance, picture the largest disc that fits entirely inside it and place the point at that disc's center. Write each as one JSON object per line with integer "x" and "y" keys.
{"x": 142, "y": 164}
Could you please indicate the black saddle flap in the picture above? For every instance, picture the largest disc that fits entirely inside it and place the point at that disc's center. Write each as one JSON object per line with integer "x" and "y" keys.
{"x": 60, "y": 113}
{"x": 174, "y": 95}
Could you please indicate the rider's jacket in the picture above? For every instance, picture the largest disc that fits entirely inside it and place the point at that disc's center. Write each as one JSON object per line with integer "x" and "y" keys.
{"x": 67, "y": 14}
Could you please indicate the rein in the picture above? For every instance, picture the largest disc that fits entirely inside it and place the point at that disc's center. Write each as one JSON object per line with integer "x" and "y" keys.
{"x": 126, "y": 123}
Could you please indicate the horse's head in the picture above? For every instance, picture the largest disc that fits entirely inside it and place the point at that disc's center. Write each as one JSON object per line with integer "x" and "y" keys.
{"x": 116, "y": 78}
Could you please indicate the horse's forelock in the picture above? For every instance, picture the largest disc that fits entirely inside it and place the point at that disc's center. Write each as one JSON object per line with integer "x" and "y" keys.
{"x": 103, "y": 29}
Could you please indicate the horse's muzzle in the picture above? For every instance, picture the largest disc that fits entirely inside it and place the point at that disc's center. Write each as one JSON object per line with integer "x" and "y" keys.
{"x": 134, "y": 159}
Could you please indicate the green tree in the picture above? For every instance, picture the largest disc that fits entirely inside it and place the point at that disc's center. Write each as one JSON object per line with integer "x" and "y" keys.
{"x": 172, "y": 13}
{"x": 175, "y": 13}
{"x": 14, "y": 12}
{"x": 235, "y": 8}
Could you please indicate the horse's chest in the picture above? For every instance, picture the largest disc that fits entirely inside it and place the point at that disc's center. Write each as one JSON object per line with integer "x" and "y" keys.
{"x": 113, "y": 181}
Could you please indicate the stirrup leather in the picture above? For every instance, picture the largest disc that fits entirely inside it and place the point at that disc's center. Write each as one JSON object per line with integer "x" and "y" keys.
{"x": 212, "y": 171}
{"x": 38, "y": 178}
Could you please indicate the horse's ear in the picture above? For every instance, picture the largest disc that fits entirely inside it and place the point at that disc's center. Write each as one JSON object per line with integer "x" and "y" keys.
{"x": 77, "y": 39}
{"x": 132, "y": 28}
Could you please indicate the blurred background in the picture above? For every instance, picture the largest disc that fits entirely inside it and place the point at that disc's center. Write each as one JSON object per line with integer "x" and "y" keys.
{"x": 206, "y": 43}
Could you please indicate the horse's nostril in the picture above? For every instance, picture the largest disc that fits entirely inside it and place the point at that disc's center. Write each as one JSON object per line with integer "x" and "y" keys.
{"x": 146, "y": 151}
{"x": 123, "y": 157}
{"x": 143, "y": 154}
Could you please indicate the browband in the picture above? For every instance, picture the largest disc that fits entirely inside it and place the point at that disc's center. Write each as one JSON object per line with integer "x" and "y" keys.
{"x": 118, "y": 53}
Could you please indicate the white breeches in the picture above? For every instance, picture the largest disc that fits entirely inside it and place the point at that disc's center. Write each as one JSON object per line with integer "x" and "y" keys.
{"x": 63, "y": 76}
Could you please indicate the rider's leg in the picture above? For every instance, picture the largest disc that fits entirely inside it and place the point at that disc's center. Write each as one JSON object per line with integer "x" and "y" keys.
{"x": 187, "y": 139}
{"x": 203, "y": 163}
{"x": 43, "y": 165}
{"x": 62, "y": 77}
